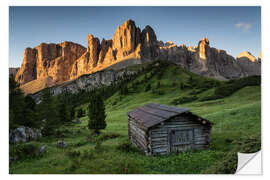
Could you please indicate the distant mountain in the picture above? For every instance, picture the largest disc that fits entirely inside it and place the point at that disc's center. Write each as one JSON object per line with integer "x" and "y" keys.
{"x": 67, "y": 61}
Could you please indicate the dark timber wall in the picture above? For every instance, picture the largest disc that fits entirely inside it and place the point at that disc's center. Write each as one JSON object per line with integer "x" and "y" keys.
{"x": 177, "y": 134}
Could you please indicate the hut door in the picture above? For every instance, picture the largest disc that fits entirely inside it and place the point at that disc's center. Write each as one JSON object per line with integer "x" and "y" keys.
{"x": 181, "y": 140}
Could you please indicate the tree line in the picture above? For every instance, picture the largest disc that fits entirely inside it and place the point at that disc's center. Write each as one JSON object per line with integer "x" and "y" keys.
{"x": 54, "y": 111}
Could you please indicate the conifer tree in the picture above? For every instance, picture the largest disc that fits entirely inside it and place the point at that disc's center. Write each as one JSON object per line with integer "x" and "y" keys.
{"x": 49, "y": 113}
{"x": 96, "y": 114}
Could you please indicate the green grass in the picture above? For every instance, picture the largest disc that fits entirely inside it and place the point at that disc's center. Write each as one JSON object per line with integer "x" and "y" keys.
{"x": 236, "y": 116}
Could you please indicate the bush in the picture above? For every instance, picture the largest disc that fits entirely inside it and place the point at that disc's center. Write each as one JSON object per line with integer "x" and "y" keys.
{"x": 184, "y": 99}
{"x": 229, "y": 163}
{"x": 147, "y": 88}
{"x": 98, "y": 147}
{"x": 158, "y": 92}
{"x": 104, "y": 137}
{"x": 73, "y": 154}
{"x": 127, "y": 147}
{"x": 24, "y": 151}
{"x": 196, "y": 91}
{"x": 228, "y": 88}
{"x": 124, "y": 90}
{"x": 62, "y": 132}
{"x": 80, "y": 113}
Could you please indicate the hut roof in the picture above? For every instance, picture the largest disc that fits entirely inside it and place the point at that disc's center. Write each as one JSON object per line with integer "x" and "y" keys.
{"x": 152, "y": 114}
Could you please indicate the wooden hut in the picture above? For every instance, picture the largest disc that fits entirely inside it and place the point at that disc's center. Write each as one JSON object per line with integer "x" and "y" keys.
{"x": 160, "y": 129}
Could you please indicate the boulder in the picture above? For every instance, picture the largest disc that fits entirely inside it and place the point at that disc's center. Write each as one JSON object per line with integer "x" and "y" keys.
{"x": 78, "y": 121}
{"x": 42, "y": 150}
{"x": 61, "y": 144}
{"x": 24, "y": 134}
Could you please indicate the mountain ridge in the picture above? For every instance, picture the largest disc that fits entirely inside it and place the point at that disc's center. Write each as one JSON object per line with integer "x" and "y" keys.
{"x": 67, "y": 61}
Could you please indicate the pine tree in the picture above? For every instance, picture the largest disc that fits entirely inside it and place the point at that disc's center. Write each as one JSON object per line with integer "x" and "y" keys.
{"x": 96, "y": 114}
{"x": 158, "y": 85}
{"x": 21, "y": 109}
{"x": 63, "y": 112}
{"x": 72, "y": 112}
{"x": 16, "y": 104}
{"x": 124, "y": 90}
{"x": 49, "y": 113}
{"x": 80, "y": 113}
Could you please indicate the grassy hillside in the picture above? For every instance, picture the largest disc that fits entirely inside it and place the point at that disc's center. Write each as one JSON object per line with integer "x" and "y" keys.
{"x": 237, "y": 120}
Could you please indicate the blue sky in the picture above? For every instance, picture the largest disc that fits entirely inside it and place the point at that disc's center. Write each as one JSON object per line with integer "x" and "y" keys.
{"x": 234, "y": 29}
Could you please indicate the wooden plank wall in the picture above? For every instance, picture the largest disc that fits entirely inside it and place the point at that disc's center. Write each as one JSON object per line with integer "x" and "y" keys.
{"x": 138, "y": 136}
{"x": 159, "y": 136}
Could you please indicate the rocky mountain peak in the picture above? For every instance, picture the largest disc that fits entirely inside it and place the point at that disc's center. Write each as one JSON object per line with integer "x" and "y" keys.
{"x": 246, "y": 56}
{"x": 93, "y": 48}
{"x": 260, "y": 56}
{"x": 148, "y": 36}
{"x": 203, "y": 46}
{"x": 50, "y": 64}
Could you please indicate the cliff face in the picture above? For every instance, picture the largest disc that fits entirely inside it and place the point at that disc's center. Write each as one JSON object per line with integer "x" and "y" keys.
{"x": 49, "y": 61}
{"x": 125, "y": 44}
{"x": 50, "y": 64}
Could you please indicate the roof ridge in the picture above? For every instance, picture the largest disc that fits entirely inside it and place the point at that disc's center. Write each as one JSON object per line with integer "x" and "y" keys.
{"x": 139, "y": 108}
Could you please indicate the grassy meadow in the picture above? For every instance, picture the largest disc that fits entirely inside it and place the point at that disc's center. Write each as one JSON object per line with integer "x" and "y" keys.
{"x": 237, "y": 127}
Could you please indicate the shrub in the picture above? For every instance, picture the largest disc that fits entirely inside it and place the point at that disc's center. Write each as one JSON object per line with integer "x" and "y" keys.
{"x": 104, "y": 137}
{"x": 184, "y": 99}
{"x": 124, "y": 90}
{"x": 98, "y": 147}
{"x": 127, "y": 147}
{"x": 173, "y": 84}
{"x": 228, "y": 165}
{"x": 158, "y": 92}
{"x": 80, "y": 143}
{"x": 228, "y": 88}
{"x": 147, "y": 88}
{"x": 209, "y": 97}
{"x": 24, "y": 151}
{"x": 62, "y": 132}
{"x": 158, "y": 85}
{"x": 196, "y": 91}
{"x": 73, "y": 154}
{"x": 114, "y": 103}
{"x": 80, "y": 113}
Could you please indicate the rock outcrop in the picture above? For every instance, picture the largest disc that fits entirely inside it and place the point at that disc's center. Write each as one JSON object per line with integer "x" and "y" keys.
{"x": 51, "y": 64}
{"x": 49, "y": 60}
{"x": 23, "y": 134}
{"x": 249, "y": 64}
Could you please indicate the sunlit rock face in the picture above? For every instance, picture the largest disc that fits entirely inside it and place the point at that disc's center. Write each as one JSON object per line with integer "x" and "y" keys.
{"x": 247, "y": 56}
{"x": 260, "y": 56}
{"x": 249, "y": 64}
{"x": 49, "y": 60}
{"x": 203, "y": 47}
{"x": 51, "y": 64}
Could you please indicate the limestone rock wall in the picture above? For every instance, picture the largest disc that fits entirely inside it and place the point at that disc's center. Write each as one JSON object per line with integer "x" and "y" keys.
{"x": 49, "y": 60}
{"x": 58, "y": 63}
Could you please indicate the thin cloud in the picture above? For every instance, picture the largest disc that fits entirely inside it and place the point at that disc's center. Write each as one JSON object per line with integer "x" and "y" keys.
{"x": 243, "y": 26}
